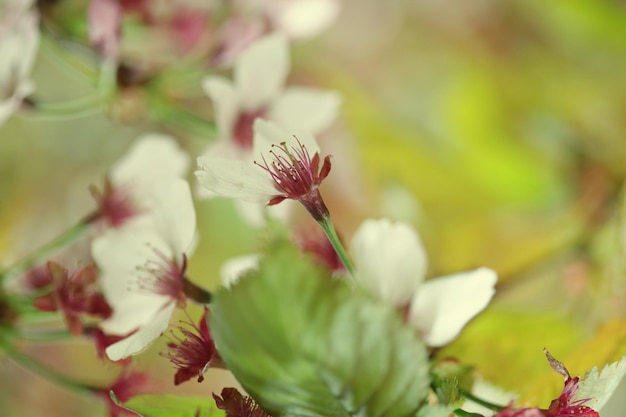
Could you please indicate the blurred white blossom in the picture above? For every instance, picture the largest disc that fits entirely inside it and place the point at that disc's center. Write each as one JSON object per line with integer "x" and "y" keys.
{"x": 298, "y": 19}
{"x": 143, "y": 265}
{"x": 258, "y": 91}
{"x": 154, "y": 158}
{"x": 391, "y": 263}
{"x": 19, "y": 42}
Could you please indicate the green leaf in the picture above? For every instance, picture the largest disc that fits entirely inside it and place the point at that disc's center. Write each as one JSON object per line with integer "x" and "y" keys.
{"x": 159, "y": 405}
{"x": 304, "y": 344}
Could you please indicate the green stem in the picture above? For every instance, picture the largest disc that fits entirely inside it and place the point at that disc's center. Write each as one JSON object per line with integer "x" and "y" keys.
{"x": 42, "y": 336}
{"x": 167, "y": 112}
{"x": 70, "y": 61}
{"x": 463, "y": 413}
{"x": 44, "y": 252}
{"x": 40, "y": 369}
{"x": 480, "y": 401}
{"x": 69, "y": 109}
{"x": 329, "y": 229}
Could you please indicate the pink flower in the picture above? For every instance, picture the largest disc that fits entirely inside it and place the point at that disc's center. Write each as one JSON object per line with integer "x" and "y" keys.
{"x": 153, "y": 159}
{"x": 193, "y": 355}
{"x": 143, "y": 266}
{"x": 566, "y": 406}
{"x": 297, "y": 176}
{"x": 126, "y": 386}
{"x": 563, "y": 406}
{"x": 316, "y": 243}
{"x": 290, "y": 171}
{"x": 74, "y": 294}
{"x": 258, "y": 90}
{"x": 104, "y": 17}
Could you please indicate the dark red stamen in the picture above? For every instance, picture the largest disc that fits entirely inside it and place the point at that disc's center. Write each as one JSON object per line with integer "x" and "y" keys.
{"x": 165, "y": 276}
{"x": 298, "y": 176}
{"x": 195, "y": 352}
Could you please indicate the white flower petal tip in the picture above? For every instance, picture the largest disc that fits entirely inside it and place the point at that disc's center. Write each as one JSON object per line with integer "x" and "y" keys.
{"x": 389, "y": 258}
{"x": 307, "y": 109}
{"x": 261, "y": 70}
{"x": 143, "y": 337}
{"x": 235, "y": 268}
{"x": 152, "y": 157}
{"x": 306, "y": 18}
{"x": 225, "y": 102}
{"x": 443, "y": 306}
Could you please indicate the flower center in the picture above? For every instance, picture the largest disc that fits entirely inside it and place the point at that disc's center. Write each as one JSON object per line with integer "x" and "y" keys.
{"x": 243, "y": 133}
{"x": 297, "y": 176}
{"x": 115, "y": 204}
{"x": 164, "y": 276}
{"x": 292, "y": 169}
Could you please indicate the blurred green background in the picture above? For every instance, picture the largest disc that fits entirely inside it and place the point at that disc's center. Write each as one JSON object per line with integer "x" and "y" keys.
{"x": 495, "y": 127}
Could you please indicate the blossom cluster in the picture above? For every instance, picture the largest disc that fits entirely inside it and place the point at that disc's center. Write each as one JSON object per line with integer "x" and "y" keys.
{"x": 142, "y": 234}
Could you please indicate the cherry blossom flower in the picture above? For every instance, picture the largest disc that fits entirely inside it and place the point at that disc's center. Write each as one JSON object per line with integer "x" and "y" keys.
{"x": 257, "y": 90}
{"x": 237, "y": 405}
{"x": 391, "y": 263}
{"x": 104, "y": 17}
{"x": 73, "y": 293}
{"x": 298, "y": 19}
{"x": 291, "y": 165}
{"x": 316, "y": 243}
{"x": 19, "y": 42}
{"x": 195, "y": 353}
{"x": 235, "y": 35}
{"x": 143, "y": 266}
{"x": 152, "y": 159}
{"x": 566, "y": 405}
{"x": 126, "y": 386}
{"x": 563, "y": 406}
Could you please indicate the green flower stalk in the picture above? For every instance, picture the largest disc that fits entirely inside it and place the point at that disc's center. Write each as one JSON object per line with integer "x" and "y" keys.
{"x": 44, "y": 252}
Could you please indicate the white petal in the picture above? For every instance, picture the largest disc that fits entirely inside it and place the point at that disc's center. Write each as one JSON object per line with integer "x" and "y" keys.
{"x": 305, "y": 109}
{"x": 138, "y": 341}
{"x": 389, "y": 259}
{"x": 225, "y": 103}
{"x": 132, "y": 312}
{"x": 261, "y": 70}
{"x": 235, "y": 179}
{"x": 268, "y": 133}
{"x": 443, "y": 306}
{"x": 152, "y": 158}
{"x": 225, "y": 149}
{"x": 234, "y": 268}
{"x": 118, "y": 252}
{"x": 19, "y": 42}
{"x": 306, "y": 18}
{"x": 175, "y": 215}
